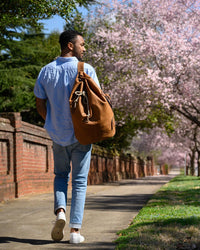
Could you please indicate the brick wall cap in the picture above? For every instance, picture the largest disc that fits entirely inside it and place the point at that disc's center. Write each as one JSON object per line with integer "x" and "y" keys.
{"x": 5, "y": 125}
{"x": 34, "y": 130}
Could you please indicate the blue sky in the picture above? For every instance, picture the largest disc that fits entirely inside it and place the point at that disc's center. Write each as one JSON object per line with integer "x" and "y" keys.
{"x": 57, "y": 23}
{"x": 53, "y": 24}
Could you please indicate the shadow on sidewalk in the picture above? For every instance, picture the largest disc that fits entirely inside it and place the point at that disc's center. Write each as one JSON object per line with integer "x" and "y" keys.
{"x": 118, "y": 202}
{"x": 26, "y": 241}
{"x": 63, "y": 244}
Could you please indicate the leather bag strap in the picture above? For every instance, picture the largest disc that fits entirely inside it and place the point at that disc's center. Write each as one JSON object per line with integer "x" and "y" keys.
{"x": 80, "y": 66}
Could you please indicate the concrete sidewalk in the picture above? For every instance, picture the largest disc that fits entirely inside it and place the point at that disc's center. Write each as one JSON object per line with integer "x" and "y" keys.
{"x": 26, "y": 223}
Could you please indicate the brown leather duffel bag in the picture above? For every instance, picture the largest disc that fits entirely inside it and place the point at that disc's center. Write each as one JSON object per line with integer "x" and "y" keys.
{"x": 91, "y": 110}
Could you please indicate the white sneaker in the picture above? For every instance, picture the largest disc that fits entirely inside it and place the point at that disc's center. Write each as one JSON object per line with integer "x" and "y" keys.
{"x": 76, "y": 238}
{"x": 57, "y": 232}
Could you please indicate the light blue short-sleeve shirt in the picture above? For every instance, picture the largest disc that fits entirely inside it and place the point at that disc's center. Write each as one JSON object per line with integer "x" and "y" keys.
{"x": 55, "y": 83}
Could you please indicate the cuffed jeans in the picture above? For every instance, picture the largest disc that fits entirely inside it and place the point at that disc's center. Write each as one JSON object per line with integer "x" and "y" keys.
{"x": 80, "y": 156}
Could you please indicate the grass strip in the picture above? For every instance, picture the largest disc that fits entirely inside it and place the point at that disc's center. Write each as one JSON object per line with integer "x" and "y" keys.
{"x": 170, "y": 220}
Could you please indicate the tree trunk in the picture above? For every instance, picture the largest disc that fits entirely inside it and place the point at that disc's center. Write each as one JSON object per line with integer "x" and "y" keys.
{"x": 198, "y": 164}
{"x": 192, "y": 162}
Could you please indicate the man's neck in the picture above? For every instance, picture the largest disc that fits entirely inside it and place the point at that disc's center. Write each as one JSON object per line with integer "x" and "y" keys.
{"x": 65, "y": 53}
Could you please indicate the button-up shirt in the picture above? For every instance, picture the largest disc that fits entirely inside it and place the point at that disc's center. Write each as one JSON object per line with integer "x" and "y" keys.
{"x": 55, "y": 83}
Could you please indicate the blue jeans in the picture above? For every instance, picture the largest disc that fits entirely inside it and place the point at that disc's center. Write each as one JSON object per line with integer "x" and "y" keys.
{"x": 80, "y": 156}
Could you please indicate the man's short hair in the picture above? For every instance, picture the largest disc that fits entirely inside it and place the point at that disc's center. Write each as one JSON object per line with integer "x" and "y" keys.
{"x": 68, "y": 36}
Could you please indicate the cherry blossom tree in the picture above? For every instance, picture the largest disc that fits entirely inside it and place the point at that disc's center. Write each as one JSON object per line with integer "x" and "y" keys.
{"x": 181, "y": 148}
{"x": 149, "y": 54}
{"x": 163, "y": 148}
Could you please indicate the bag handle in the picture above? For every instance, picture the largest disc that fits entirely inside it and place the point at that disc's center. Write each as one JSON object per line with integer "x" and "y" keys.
{"x": 80, "y": 66}
{"x": 82, "y": 93}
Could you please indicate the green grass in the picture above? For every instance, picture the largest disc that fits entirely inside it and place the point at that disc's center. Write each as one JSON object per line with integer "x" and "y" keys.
{"x": 170, "y": 220}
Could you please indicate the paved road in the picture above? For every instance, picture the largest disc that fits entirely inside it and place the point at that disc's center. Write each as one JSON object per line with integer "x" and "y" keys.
{"x": 26, "y": 223}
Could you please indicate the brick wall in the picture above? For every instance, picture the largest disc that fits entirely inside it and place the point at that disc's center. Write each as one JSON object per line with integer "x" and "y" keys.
{"x": 26, "y": 160}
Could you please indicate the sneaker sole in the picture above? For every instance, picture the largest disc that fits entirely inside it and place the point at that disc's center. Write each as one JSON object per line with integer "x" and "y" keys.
{"x": 57, "y": 232}
{"x": 76, "y": 242}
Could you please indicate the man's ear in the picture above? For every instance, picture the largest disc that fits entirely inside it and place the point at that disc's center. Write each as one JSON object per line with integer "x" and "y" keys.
{"x": 70, "y": 46}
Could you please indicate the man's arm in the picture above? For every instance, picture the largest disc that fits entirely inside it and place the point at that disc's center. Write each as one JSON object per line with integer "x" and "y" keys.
{"x": 41, "y": 107}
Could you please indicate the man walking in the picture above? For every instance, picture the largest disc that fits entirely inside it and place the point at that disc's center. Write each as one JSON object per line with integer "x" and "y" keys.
{"x": 52, "y": 91}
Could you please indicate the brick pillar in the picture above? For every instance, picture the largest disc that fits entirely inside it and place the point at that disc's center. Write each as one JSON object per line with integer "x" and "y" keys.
{"x": 150, "y": 166}
{"x": 104, "y": 168}
{"x": 132, "y": 166}
{"x": 141, "y": 164}
{"x": 153, "y": 170}
{"x": 110, "y": 168}
{"x": 122, "y": 166}
{"x": 16, "y": 122}
{"x": 93, "y": 170}
{"x": 127, "y": 168}
{"x": 99, "y": 173}
{"x": 7, "y": 183}
{"x": 117, "y": 167}
{"x": 145, "y": 168}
